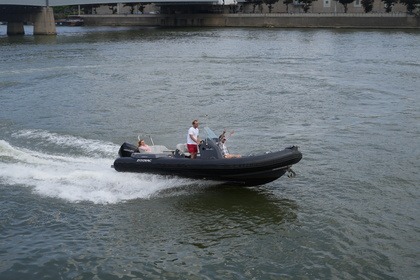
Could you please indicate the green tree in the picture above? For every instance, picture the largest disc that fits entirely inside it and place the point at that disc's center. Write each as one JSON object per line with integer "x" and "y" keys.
{"x": 270, "y": 4}
{"x": 367, "y": 5}
{"x": 142, "y": 6}
{"x": 389, "y": 4}
{"x": 132, "y": 6}
{"x": 411, "y": 5}
{"x": 287, "y": 3}
{"x": 89, "y": 9}
{"x": 113, "y": 7}
{"x": 255, "y": 3}
{"x": 306, "y": 4}
{"x": 345, "y": 3}
{"x": 64, "y": 11}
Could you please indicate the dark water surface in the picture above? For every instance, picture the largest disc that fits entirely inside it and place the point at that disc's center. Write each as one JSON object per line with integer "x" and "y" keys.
{"x": 349, "y": 98}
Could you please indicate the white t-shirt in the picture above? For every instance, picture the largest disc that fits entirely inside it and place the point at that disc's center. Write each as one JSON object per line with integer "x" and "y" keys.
{"x": 194, "y": 132}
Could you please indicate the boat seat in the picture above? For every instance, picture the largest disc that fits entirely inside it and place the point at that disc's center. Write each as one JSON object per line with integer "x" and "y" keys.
{"x": 183, "y": 149}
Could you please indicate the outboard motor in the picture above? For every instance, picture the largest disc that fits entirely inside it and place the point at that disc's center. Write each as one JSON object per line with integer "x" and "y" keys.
{"x": 126, "y": 150}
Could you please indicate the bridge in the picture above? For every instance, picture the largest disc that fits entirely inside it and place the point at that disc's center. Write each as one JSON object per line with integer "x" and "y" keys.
{"x": 40, "y": 12}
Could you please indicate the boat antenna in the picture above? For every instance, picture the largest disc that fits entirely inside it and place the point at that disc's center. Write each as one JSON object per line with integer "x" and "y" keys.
{"x": 205, "y": 122}
{"x": 205, "y": 118}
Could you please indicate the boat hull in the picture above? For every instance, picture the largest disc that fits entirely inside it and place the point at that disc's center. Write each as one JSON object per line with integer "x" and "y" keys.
{"x": 250, "y": 170}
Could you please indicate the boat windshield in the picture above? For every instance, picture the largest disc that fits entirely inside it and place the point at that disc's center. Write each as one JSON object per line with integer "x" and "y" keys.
{"x": 208, "y": 133}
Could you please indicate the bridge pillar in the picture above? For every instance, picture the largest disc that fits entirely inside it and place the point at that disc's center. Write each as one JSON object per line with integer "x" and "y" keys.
{"x": 15, "y": 28}
{"x": 44, "y": 23}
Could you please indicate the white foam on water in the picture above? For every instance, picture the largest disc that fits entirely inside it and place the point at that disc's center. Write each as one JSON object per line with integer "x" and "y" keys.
{"x": 77, "y": 178}
{"x": 89, "y": 146}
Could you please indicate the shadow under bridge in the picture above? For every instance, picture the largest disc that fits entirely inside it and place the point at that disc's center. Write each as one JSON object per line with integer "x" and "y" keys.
{"x": 41, "y": 14}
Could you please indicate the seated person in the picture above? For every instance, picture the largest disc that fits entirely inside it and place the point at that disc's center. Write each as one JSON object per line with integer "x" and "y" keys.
{"x": 143, "y": 147}
{"x": 225, "y": 151}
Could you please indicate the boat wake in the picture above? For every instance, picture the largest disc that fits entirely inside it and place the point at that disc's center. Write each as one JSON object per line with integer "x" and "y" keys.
{"x": 76, "y": 170}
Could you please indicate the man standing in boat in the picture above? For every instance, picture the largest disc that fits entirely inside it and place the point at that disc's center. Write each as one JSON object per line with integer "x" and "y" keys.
{"x": 192, "y": 139}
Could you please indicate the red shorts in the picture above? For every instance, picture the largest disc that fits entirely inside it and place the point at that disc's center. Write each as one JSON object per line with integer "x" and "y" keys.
{"x": 192, "y": 148}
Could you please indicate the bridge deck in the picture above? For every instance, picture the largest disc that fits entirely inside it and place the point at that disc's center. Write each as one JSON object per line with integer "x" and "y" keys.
{"x": 87, "y": 2}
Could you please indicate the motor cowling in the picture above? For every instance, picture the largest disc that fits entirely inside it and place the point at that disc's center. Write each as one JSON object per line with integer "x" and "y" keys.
{"x": 126, "y": 150}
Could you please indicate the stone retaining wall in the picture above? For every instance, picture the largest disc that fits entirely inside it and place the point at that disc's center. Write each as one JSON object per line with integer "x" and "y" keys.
{"x": 260, "y": 20}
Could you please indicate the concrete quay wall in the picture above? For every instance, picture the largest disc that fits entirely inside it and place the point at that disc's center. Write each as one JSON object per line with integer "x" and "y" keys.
{"x": 399, "y": 20}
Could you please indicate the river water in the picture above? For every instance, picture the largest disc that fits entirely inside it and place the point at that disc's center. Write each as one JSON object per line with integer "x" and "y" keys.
{"x": 349, "y": 99}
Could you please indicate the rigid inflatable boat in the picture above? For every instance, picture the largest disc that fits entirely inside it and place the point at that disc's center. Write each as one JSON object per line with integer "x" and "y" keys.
{"x": 209, "y": 164}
